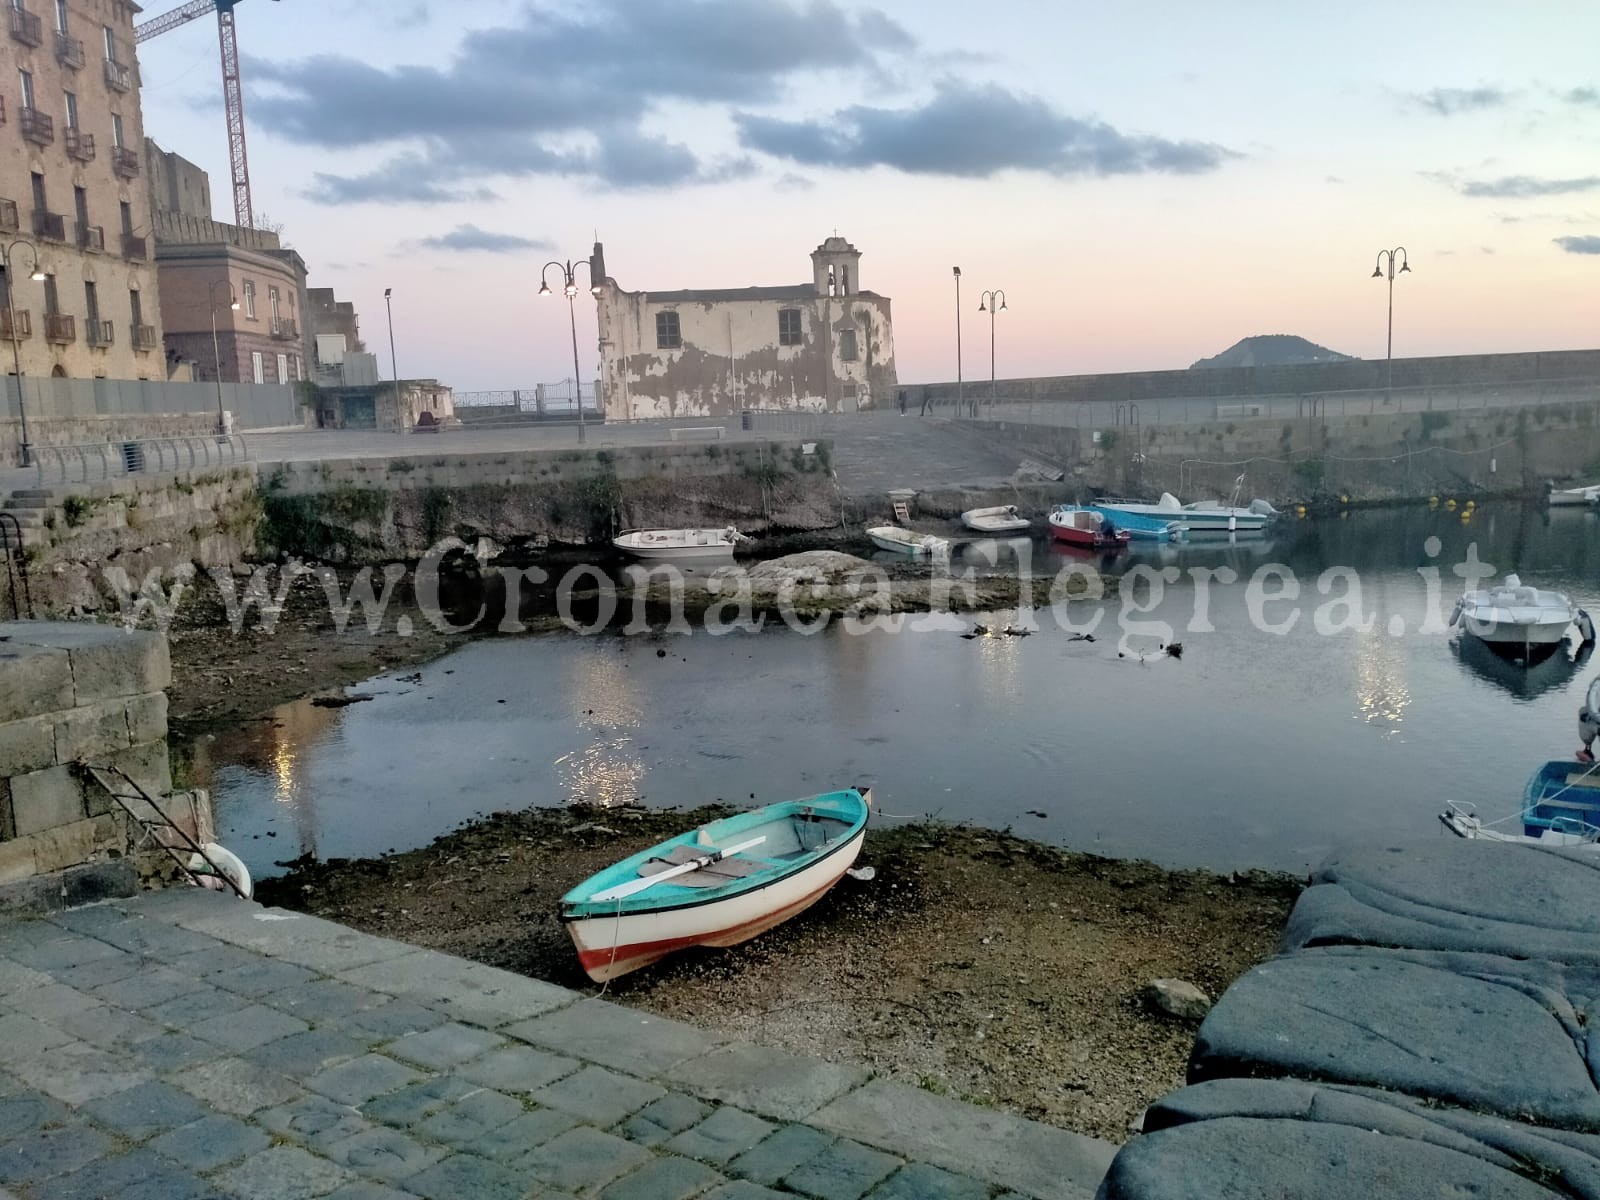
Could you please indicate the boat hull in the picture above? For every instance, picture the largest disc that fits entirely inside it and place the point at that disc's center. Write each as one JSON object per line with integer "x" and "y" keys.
{"x": 676, "y": 543}
{"x": 609, "y": 946}
{"x": 915, "y": 549}
{"x": 1089, "y": 539}
{"x": 1141, "y": 527}
{"x": 994, "y": 520}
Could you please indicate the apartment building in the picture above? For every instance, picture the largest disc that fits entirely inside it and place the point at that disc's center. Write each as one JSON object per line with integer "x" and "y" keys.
{"x": 74, "y": 207}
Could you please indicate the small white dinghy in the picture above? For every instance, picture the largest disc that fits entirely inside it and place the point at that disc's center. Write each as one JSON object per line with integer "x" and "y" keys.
{"x": 1515, "y": 618}
{"x": 1569, "y": 497}
{"x": 907, "y": 541}
{"x": 1002, "y": 519}
{"x": 679, "y": 543}
{"x": 216, "y": 867}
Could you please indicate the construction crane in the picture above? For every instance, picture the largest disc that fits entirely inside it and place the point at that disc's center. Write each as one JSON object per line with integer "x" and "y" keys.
{"x": 232, "y": 92}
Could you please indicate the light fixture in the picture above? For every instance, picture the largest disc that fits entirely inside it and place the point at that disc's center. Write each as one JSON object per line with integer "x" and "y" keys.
{"x": 1377, "y": 272}
{"x": 572, "y": 290}
{"x": 38, "y": 275}
{"x": 387, "y": 292}
{"x": 595, "y": 290}
{"x": 1404, "y": 266}
{"x": 544, "y": 288}
{"x": 956, "y": 271}
{"x": 981, "y": 307}
{"x": 234, "y": 306}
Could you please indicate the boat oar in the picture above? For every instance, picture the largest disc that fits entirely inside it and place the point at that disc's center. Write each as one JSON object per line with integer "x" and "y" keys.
{"x": 635, "y": 886}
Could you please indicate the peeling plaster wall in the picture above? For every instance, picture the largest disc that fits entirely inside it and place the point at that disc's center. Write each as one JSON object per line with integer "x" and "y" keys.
{"x": 730, "y": 358}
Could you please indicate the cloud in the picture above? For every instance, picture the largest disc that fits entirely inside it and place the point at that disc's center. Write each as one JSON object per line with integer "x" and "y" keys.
{"x": 973, "y": 132}
{"x": 1583, "y": 95}
{"x": 1518, "y": 187}
{"x": 791, "y": 182}
{"x": 469, "y": 237}
{"x": 515, "y": 99}
{"x": 1450, "y": 102}
{"x": 1587, "y": 244}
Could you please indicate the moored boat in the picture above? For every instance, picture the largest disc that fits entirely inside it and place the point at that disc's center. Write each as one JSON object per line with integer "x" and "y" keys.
{"x": 907, "y": 541}
{"x": 1079, "y": 526}
{"x": 1560, "y": 808}
{"x": 1201, "y": 516}
{"x": 1002, "y": 519}
{"x": 1564, "y": 497}
{"x": 679, "y": 543}
{"x": 1513, "y": 617}
{"x": 717, "y": 885}
{"x": 1141, "y": 527}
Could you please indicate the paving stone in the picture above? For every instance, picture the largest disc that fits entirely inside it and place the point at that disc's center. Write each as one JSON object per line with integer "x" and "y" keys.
{"x": 147, "y": 988}
{"x": 919, "y": 1181}
{"x": 106, "y": 1027}
{"x": 599, "y": 1095}
{"x": 151, "y": 938}
{"x": 411, "y": 1104}
{"x": 170, "y": 1183}
{"x": 467, "y": 991}
{"x": 324, "y": 1000}
{"x": 314, "y": 1120}
{"x": 518, "y": 1069}
{"x": 846, "y": 1170}
{"x": 368, "y": 1191}
{"x": 770, "y": 1160}
{"x": 234, "y": 1086}
{"x": 45, "y": 1153}
{"x": 394, "y": 1019}
{"x": 14, "y": 977}
{"x": 261, "y": 978}
{"x": 51, "y": 1001}
{"x": 462, "y": 1175}
{"x": 23, "y": 1037}
{"x": 659, "y": 1120}
{"x": 385, "y": 1154}
{"x": 24, "y": 1112}
{"x": 200, "y": 1004}
{"x": 62, "y": 952}
{"x": 447, "y": 1046}
{"x": 305, "y": 1054}
{"x": 283, "y": 1173}
{"x": 743, "y": 1189}
{"x": 721, "y": 1137}
{"x": 293, "y": 937}
{"x": 91, "y": 975}
{"x": 470, "y": 1118}
{"x": 584, "y": 1158}
{"x": 663, "y": 1179}
{"x": 615, "y": 1036}
{"x": 248, "y": 1028}
{"x": 210, "y": 1142}
{"x": 221, "y": 959}
{"x": 77, "y": 1073}
{"x": 360, "y": 1079}
{"x": 767, "y": 1081}
{"x": 107, "y": 1177}
{"x": 169, "y": 1052}
{"x": 516, "y": 1138}
{"x": 146, "y": 1110}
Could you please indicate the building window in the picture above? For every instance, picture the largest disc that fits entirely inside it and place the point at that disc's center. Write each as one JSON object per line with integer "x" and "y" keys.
{"x": 52, "y": 302}
{"x": 789, "y": 327}
{"x": 299, "y": 368}
{"x": 258, "y": 370}
{"x": 111, "y": 45}
{"x": 272, "y": 300}
{"x": 136, "y": 307}
{"x": 668, "y": 335}
{"x": 283, "y": 368}
{"x": 250, "y": 301}
{"x": 38, "y": 193}
{"x": 61, "y": 16}
{"x": 72, "y": 110}
{"x": 91, "y": 305}
{"x": 116, "y": 130}
{"x": 847, "y": 345}
{"x": 27, "y": 88}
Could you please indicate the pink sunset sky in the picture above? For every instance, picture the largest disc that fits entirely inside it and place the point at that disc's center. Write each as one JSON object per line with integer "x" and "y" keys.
{"x": 1149, "y": 182}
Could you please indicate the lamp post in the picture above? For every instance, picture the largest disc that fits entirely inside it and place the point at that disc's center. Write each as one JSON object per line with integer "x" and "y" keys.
{"x": 960, "y": 389}
{"x": 216, "y": 349}
{"x": 570, "y": 287}
{"x": 24, "y": 448}
{"x": 394, "y": 367}
{"x": 996, "y": 303}
{"x": 1378, "y": 273}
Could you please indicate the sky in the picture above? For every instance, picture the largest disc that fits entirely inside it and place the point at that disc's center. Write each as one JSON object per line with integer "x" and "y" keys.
{"x": 1148, "y": 181}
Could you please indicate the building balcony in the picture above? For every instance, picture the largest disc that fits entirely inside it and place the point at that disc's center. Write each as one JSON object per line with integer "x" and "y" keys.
{"x": 60, "y": 328}
{"x": 52, "y": 227}
{"x": 99, "y": 333}
{"x": 285, "y": 331}
{"x": 69, "y": 51}
{"x": 16, "y": 324}
{"x": 80, "y": 145}
{"x": 26, "y": 27}
{"x": 37, "y": 127}
{"x": 92, "y": 238}
{"x": 125, "y": 162}
{"x": 135, "y": 247}
{"x": 118, "y": 77}
{"x": 10, "y": 219}
{"x": 144, "y": 336}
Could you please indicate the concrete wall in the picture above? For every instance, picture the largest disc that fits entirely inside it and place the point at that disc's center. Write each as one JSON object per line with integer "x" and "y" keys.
{"x": 178, "y": 187}
{"x": 79, "y": 693}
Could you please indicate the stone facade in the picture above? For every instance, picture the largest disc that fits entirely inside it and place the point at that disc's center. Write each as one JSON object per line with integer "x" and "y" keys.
{"x": 71, "y": 190}
{"x": 825, "y": 345}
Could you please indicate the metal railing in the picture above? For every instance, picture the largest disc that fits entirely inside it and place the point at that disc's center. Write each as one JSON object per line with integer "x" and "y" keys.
{"x": 60, "y": 327}
{"x": 26, "y": 27}
{"x": 10, "y": 217}
{"x": 99, "y": 333}
{"x": 92, "y": 238}
{"x": 52, "y": 227}
{"x": 118, "y": 77}
{"x": 79, "y": 145}
{"x": 134, "y": 246}
{"x": 36, "y": 127}
{"x": 15, "y": 323}
{"x": 124, "y": 162}
{"x": 69, "y": 51}
{"x": 285, "y": 331}
{"x": 144, "y": 337}
{"x": 15, "y": 552}
{"x": 98, "y": 461}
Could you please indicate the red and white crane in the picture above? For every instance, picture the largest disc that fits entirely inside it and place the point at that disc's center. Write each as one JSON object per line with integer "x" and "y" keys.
{"x": 232, "y": 92}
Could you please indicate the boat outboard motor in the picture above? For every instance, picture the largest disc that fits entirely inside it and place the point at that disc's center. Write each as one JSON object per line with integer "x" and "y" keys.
{"x": 1585, "y": 628}
{"x": 1589, "y": 721}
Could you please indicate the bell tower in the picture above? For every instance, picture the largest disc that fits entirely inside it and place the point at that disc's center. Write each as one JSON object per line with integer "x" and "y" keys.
{"x": 836, "y": 267}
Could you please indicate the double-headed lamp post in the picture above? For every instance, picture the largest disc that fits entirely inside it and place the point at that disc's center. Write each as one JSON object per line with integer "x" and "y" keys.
{"x": 1386, "y": 261}
{"x": 992, "y": 303}
{"x": 216, "y": 349}
{"x": 569, "y": 285}
{"x": 961, "y": 391}
{"x": 24, "y": 448}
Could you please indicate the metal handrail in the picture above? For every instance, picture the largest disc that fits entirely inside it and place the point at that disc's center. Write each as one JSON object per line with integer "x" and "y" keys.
{"x": 16, "y": 566}
{"x": 97, "y": 461}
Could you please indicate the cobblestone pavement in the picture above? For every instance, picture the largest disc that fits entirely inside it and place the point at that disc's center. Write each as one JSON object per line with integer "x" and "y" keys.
{"x": 187, "y": 1046}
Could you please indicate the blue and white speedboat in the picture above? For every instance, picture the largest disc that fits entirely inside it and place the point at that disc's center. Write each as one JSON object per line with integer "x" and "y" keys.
{"x": 1138, "y": 525}
{"x": 1560, "y": 808}
{"x": 1203, "y": 516}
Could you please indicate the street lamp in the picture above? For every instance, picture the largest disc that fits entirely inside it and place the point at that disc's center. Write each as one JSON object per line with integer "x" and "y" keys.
{"x": 960, "y": 390}
{"x": 24, "y": 448}
{"x": 394, "y": 367}
{"x": 216, "y": 350}
{"x": 992, "y": 302}
{"x": 570, "y": 287}
{"x": 1378, "y": 273}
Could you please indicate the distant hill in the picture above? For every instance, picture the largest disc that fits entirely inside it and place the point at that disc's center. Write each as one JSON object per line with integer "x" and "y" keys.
{"x": 1271, "y": 350}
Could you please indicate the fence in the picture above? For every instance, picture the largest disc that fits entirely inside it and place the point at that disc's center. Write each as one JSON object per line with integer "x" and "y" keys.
{"x": 254, "y": 405}
{"x": 542, "y": 400}
{"x": 98, "y": 461}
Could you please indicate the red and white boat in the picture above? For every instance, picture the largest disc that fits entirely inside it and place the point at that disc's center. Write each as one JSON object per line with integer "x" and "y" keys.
{"x": 717, "y": 885}
{"x": 1085, "y": 527}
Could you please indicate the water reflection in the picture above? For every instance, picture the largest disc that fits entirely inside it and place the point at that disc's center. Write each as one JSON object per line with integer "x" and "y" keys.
{"x": 1382, "y": 695}
{"x": 1548, "y": 674}
{"x": 603, "y": 700}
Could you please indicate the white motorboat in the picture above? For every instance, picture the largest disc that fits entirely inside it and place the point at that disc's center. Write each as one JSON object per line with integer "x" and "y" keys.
{"x": 907, "y": 541}
{"x": 1513, "y": 617}
{"x": 679, "y": 543}
{"x": 1203, "y": 516}
{"x": 1563, "y": 497}
{"x": 1003, "y": 519}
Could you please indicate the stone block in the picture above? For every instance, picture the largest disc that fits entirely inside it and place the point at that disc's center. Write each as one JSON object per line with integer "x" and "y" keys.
{"x": 48, "y": 1152}
{"x": 768, "y": 1081}
{"x": 109, "y": 661}
{"x": 663, "y": 1179}
{"x": 16, "y": 861}
{"x": 146, "y": 764}
{"x": 234, "y": 1086}
{"x": 616, "y": 1036}
{"x": 463, "y": 1175}
{"x": 384, "y": 1154}
{"x": 210, "y": 1143}
{"x": 517, "y": 1070}
{"x": 721, "y": 1137}
{"x": 844, "y": 1171}
{"x": 598, "y": 1095}
{"x": 28, "y": 744}
{"x": 147, "y": 717}
{"x": 471, "y": 1117}
{"x": 46, "y": 800}
{"x": 8, "y": 826}
{"x": 145, "y": 1110}
{"x": 446, "y": 1046}
{"x": 282, "y": 1172}
{"x": 584, "y": 1158}
{"x": 91, "y": 732}
{"x": 33, "y": 679}
{"x": 72, "y": 845}
{"x": 527, "y": 1132}
{"x": 361, "y": 1079}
